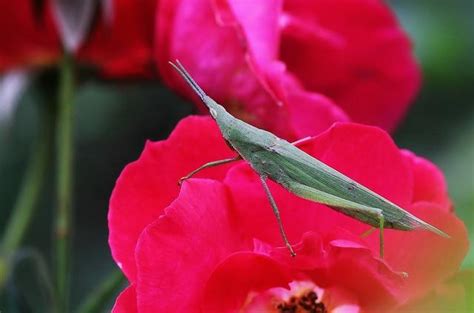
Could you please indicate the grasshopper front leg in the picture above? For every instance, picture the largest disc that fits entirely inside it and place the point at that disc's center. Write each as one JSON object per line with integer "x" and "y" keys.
{"x": 277, "y": 215}
{"x": 210, "y": 164}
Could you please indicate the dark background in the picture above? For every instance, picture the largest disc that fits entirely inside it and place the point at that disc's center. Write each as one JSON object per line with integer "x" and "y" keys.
{"x": 114, "y": 119}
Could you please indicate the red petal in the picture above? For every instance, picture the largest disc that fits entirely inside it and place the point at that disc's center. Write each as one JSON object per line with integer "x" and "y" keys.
{"x": 430, "y": 185}
{"x": 357, "y": 270}
{"x": 355, "y": 52}
{"x": 123, "y": 45}
{"x": 126, "y": 302}
{"x": 177, "y": 253}
{"x": 312, "y": 113}
{"x": 148, "y": 185}
{"x": 238, "y": 276}
{"x": 257, "y": 22}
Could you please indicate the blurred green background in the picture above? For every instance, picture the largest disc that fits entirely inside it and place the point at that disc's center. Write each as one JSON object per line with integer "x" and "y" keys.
{"x": 114, "y": 119}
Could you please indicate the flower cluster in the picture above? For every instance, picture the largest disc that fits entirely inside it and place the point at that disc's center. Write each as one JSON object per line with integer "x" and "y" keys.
{"x": 214, "y": 245}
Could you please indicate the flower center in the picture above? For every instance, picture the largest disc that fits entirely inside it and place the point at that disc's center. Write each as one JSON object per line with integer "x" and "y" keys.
{"x": 305, "y": 303}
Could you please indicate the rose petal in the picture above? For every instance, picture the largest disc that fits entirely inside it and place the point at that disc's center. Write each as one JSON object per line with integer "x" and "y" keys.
{"x": 257, "y": 22}
{"x": 126, "y": 302}
{"x": 355, "y": 52}
{"x": 237, "y": 277}
{"x": 311, "y": 113}
{"x": 430, "y": 184}
{"x": 177, "y": 253}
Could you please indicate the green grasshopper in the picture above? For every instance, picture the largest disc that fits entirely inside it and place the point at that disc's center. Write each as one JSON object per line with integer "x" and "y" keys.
{"x": 301, "y": 174}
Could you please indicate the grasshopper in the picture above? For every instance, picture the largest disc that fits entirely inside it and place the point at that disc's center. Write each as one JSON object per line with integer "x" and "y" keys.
{"x": 301, "y": 174}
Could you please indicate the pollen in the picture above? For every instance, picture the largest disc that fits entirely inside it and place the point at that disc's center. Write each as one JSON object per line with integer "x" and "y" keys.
{"x": 305, "y": 303}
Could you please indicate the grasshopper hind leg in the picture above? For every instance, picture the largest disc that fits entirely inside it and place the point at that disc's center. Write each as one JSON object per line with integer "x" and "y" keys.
{"x": 277, "y": 215}
{"x": 381, "y": 225}
{"x": 381, "y": 239}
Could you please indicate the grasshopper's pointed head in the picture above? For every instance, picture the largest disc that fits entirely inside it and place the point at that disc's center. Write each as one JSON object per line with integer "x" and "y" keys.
{"x": 214, "y": 107}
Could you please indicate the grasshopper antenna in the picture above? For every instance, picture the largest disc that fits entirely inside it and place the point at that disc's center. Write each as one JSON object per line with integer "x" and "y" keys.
{"x": 182, "y": 71}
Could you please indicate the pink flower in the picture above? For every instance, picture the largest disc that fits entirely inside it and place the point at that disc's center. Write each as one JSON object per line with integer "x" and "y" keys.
{"x": 214, "y": 245}
{"x": 293, "y": 67}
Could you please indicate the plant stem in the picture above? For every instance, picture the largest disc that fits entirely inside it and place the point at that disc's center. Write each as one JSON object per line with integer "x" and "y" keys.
{"x": 99, "y": 298}
{"x": 64, "y": 172}
{"x": 28, "y": 196}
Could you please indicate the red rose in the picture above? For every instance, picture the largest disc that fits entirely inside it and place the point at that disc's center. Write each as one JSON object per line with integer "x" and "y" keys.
{"x": 27, "y": 39}
{"x": 293, "y": 67}
{"x": 119, "y": 43}
{"x": 214, "y": 245}
{"x": 122, "y": 46}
